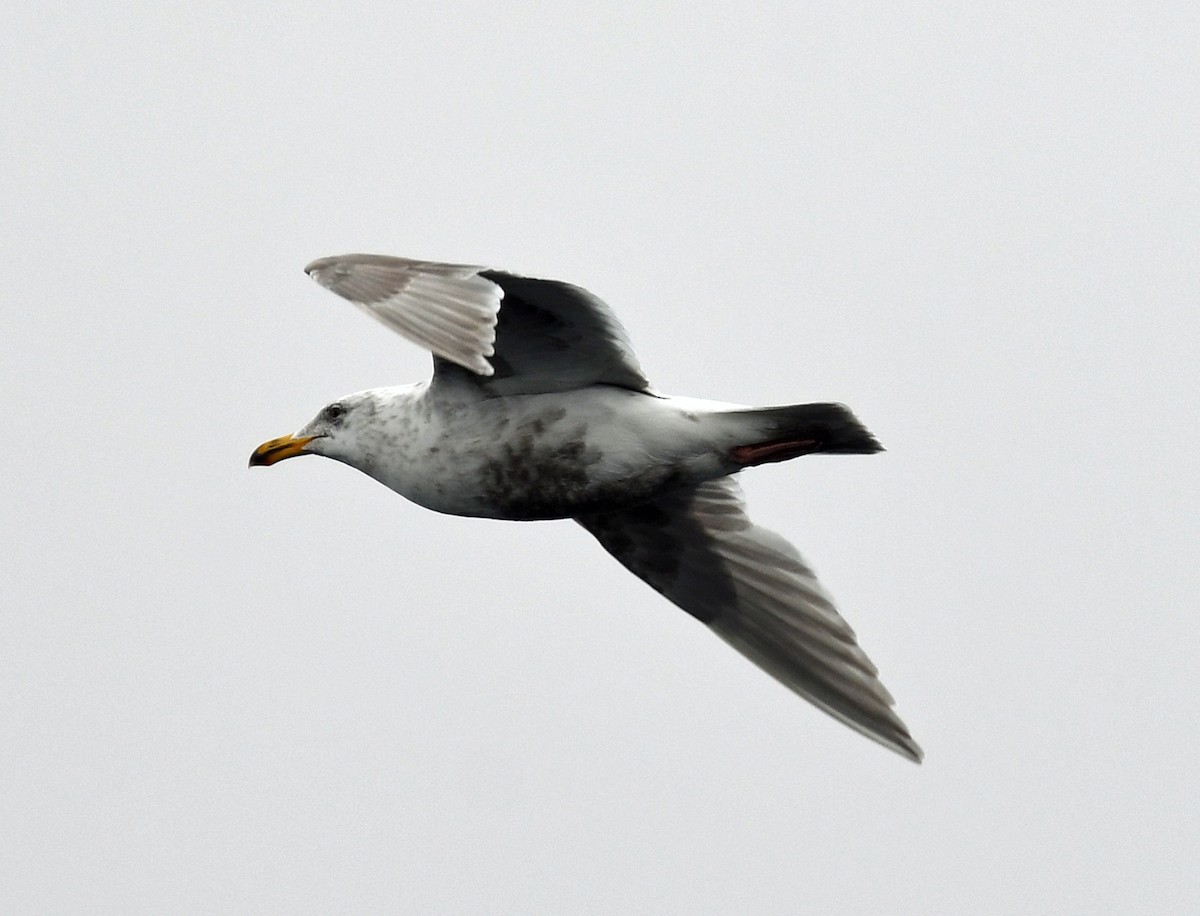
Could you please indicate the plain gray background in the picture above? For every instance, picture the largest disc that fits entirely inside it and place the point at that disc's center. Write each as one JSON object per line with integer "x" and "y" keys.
{"x": 289, "y": 691}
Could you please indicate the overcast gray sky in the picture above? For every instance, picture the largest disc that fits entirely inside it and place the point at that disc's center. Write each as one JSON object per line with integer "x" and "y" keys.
{"x": 290, "y": 691}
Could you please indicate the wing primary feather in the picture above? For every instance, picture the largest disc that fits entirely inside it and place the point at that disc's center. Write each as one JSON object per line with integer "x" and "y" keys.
{"x": 447, "y": 308}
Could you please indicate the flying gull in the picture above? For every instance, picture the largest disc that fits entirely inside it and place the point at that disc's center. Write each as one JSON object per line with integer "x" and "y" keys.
{"x": 538, "y": 409}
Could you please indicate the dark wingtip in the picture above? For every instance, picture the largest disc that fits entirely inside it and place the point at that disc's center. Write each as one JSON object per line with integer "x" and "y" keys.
{"x": 910, "y": 750}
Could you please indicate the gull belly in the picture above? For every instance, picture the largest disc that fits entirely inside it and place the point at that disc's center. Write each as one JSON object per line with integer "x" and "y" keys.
{"x": 540, "y": 456}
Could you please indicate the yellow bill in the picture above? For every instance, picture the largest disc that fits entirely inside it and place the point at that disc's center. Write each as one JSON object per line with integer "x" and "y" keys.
{"x": 278, "y": 449}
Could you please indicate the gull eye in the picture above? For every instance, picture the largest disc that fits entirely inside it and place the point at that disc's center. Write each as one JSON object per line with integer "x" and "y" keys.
{"x": 333, "y": 411}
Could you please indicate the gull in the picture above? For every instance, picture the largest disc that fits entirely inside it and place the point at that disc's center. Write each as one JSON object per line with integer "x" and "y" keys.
{"x": 538, "y": 409}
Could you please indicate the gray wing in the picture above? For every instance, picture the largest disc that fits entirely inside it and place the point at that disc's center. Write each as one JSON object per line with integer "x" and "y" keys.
{"x": 698, "y": 548}
{"x": 515, "y": 335}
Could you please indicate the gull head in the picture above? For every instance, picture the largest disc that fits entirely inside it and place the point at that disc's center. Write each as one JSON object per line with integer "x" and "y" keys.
{"x": 336, "y": 432}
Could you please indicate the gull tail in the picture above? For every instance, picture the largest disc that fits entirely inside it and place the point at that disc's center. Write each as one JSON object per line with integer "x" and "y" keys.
{"x": 782, "y": 433}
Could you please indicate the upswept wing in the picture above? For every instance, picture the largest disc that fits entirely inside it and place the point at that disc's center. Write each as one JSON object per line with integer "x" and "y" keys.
{"x": 517, "y": 335}
{"x": 698, "y": 548}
